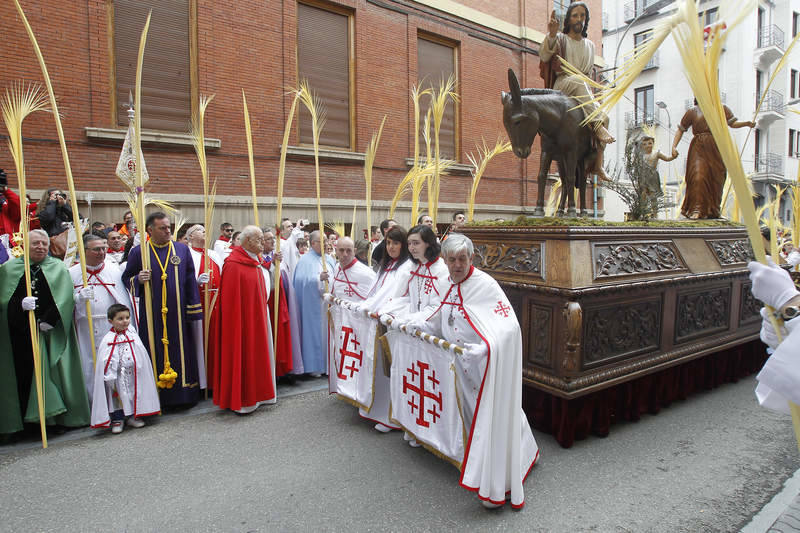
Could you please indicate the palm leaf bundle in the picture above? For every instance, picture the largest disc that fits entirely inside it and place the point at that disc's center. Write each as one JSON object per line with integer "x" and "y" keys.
{"x": 479, "y": 164}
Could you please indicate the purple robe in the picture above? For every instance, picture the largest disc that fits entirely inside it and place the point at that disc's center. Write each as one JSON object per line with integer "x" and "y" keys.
{"x": 191, "y": 309}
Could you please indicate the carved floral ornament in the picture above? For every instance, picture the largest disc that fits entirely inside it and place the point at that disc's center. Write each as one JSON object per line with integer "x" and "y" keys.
{"x": 627, "y": 259}
{"x": 504, "y": 258}
{"x": 731, "y": 252}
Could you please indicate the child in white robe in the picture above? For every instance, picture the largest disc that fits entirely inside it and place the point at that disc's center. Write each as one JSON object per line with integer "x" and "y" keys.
{"x": 124, "y": 385}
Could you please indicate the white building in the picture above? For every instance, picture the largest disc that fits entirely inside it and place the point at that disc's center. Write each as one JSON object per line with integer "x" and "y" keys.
{"x": 661, "y": 94}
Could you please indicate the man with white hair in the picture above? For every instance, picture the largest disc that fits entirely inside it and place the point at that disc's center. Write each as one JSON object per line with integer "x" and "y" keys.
{"x": 65, "y": 402}
{"x": 104, "y": 289}
{"x": 241, "y": 346}
{"x": 287, "y": 335}
{"x": 476, "y": 314}
{"x": 206, "y": 281}
{"x": 313, "y": 322}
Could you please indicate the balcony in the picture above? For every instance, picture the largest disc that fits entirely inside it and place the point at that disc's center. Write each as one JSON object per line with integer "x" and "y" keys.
{"x": 768, "y": 168}
{"x": 637, "y": 8}
{"x": 637, "y": 119}
{"x": 653, "y": 63}
{"x": 770, "y": 45}
{"x": 689, "y": 102}
{"x": 772, "y": 108}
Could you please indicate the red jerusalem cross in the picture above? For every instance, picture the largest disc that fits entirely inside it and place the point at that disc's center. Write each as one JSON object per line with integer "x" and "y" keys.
{"x": 132, "y": 165}
{"x": 349, "y": 338}
{"x": 501, "y": 309}
{"x": 423, "y": 393}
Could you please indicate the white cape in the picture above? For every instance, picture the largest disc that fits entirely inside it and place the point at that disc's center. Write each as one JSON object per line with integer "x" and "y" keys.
{"x": 779, "y": 379}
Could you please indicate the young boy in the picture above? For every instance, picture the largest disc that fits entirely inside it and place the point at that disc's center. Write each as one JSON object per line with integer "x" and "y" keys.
{"x": 123, "y": 378}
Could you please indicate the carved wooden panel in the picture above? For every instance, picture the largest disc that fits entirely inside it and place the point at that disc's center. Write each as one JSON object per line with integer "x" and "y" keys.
{"x": 702, "y": 313}
{"x": 539, "y": 331}
{"x": 620, "y": 331}
{"x": 731, "y": 252}
{"x": 750, "y": 310}
{"x": 617, "y": 259}
{"x": 510, "y": 259}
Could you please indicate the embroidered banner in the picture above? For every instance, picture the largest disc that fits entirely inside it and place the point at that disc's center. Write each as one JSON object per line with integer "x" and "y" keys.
{"x": 72, "y": 242}
{"x": 353, "y": 349}
{"x": 423, "y": 394}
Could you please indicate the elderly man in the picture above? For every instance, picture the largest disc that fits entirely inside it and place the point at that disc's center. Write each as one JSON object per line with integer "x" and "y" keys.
{"x": 179, "y": 330}
{"x": 287, "y": 338}
{"x": 196, "y": 236}
{"x": 241, "y": 347}
{"x": 352, "y": 279}
{"x": 476, "y": 314}
{"x": 104, "y": 289}
{"x": 66, "y": 401}
{"x": 313, "y": 321}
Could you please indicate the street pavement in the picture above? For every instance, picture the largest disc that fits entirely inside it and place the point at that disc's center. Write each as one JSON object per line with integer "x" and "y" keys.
{"x": 310, "y": 463}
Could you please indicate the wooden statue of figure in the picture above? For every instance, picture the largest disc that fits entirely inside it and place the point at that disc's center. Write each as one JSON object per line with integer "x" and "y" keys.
{"x": 705, "y": 170}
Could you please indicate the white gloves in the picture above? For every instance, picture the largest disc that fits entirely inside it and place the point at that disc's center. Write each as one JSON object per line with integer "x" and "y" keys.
{"x": 203, "y": 278}
{"x": 771, "y": 284}
{"x": 386, "y": 317}
{"x": 768, "y": 334}
{"x": 44, "y": 327}
{"x": 29, "y": 303}
{"x": 793, "y": 258}
{"x": 415, "y": 324}
{"x": 477, "y": 349}
{"x": 84, "y": 293}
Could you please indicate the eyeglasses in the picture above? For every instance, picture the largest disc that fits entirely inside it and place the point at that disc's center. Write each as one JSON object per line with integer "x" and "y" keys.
{"x": 99, "y": 249}
{"x": 228, "y": 230}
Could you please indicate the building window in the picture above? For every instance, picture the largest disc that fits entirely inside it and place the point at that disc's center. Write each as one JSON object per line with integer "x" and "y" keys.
{"x": 795, "y": 17}
{"x": 794, "y": 143}
{"x": 167, "y": 74}
{"x": 436, "y": 61}
{"x": 644, "y": 105}
{"x": 794, "y": 79}
{"x": 324, "y": 53}
{"x": 641, "y": 38}
{"x": 757, "y": 146}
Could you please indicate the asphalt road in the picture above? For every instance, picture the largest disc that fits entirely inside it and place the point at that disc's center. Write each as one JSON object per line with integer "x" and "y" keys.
{"x": 310, "y": 463}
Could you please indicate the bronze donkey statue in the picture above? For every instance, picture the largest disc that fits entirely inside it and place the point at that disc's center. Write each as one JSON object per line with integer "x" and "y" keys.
{"x": 552, "y": 115}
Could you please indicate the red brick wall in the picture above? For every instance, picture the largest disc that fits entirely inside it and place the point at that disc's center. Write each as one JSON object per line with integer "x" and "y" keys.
{"x": 251, "y": 44}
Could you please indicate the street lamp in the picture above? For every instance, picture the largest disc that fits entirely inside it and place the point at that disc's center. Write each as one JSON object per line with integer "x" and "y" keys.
{"x": 663, "y": 105}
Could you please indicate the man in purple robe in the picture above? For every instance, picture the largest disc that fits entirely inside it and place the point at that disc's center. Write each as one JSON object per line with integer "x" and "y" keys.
{"x": 173, "y": 285}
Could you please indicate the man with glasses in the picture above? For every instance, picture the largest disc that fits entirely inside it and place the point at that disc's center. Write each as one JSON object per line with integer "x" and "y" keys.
{"x": 104, "y": 289}
{"x": 223, "y": 244}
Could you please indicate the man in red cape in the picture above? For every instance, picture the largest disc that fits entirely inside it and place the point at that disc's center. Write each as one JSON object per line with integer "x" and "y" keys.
{"x": 241, "y": 344}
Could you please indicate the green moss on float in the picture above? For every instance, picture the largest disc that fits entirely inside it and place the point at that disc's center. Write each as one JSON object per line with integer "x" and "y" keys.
{"x": 522, "y": 221}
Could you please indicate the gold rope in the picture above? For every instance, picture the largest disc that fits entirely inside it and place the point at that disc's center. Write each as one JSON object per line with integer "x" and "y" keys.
{"x": 167, "y": 379}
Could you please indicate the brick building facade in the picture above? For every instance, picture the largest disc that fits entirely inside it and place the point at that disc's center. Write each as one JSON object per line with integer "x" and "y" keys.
{"x": 252, "y": 45}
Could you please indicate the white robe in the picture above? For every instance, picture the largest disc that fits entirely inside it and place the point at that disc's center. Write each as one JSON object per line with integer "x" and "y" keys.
{"x": 197, "y": 257}
{"x": 779, "y": 379}
{"x": 291, "y": 255}
{"x": 388, "y": 287}
{"x": 124, "y": 367}
{"x": 501, "y": 449}
{"x": 222, "y": 249}
{"x": 353, "y": 282}
{"x": 426, "y": 286}
{"x": 106, "y": 281}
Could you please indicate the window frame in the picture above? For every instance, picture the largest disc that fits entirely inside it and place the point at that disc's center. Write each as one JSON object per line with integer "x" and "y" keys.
{"x": 454, "y": 46}
{"x": 194, "y": 72}
{"x": 351, "y": 65}
{"x": 644, "y": 91}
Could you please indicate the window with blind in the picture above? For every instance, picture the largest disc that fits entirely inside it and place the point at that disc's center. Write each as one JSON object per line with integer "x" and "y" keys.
{"x": 435, "y": 63}
{"x": 166, "y": 68}
{"x": 323, "y": 58}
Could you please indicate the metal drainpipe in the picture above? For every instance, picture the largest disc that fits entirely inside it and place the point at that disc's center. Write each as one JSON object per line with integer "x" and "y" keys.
{"x": 594, "y": 193}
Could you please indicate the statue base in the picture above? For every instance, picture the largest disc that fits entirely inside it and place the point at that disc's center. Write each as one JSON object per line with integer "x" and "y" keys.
{"x": 608, "y": 309}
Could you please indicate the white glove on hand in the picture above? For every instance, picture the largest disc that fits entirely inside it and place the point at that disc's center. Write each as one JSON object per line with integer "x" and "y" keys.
{"x": 768, "y": 334}
{"x": 29, "y": 303}
{"x": 771, "y": 284}
{"x": 203, "y": 278}
{"x": 477, "y": 349}
{"x": 84, "y": 293}
{"x": 386, "y": 317}
{"x": 44, "y": 327}
{"x": 415, "y": 324}
{"x": 793, "y": 258}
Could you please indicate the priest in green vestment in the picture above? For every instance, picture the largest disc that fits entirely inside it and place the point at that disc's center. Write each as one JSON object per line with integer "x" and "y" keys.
{"x": 66, "y": 402}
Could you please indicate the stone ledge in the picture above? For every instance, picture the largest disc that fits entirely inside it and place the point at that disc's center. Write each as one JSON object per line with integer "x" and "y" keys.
{"x": 326, "y": 154}
{"x": 149, "y": 136}
{"x": 457, "y": 168}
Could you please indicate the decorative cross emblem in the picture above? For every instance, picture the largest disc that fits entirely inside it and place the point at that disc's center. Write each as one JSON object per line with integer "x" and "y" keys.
{"x": 348, "y": 291}
{"x": 132, "y": 165}
{"x": 419, "y": 407}
{"x": 428, "y": 287}
{"x": 501, "y": 309}
{"x": 355, "y": 354}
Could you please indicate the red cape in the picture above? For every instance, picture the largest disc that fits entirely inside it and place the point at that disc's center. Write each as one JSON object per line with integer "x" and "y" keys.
{"x": 239, "y": 342}
{"x": 283, "y": 346}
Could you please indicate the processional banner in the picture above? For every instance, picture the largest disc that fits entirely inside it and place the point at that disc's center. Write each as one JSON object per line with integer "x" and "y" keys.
{"x": 352, "y": 346}
{"x": 423, "y": 394}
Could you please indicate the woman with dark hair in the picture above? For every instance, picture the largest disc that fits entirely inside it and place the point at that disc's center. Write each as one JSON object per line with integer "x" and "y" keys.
{"x": 428, "y": 281}
{"x": 384, "y": 299}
